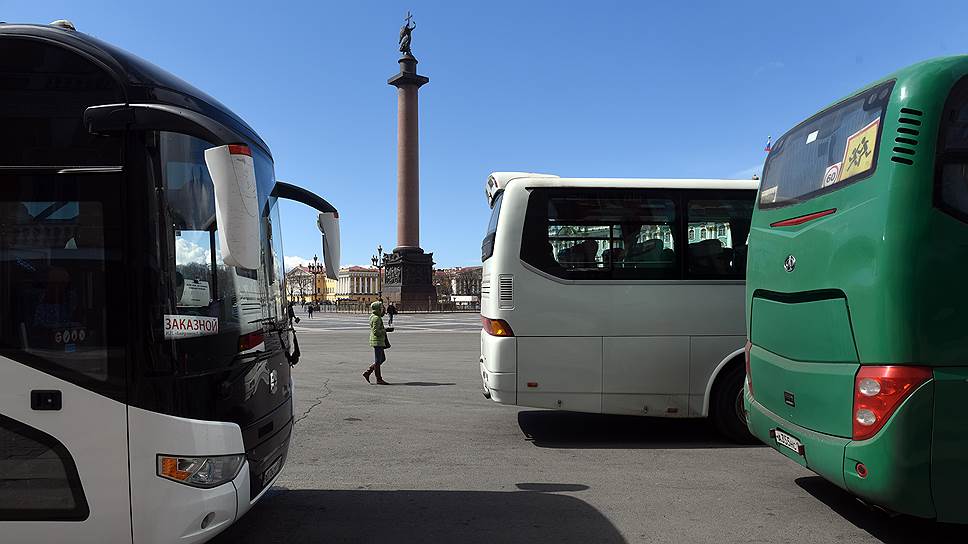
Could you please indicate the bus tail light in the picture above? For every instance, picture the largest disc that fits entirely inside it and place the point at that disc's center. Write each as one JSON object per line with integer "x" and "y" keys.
{"x": 496, "y": 327}
{"x": 251, "y": 340}
{"x": 204, "y": 472}
{"x": 878, "y": 391}
{"x": 749, "y": 376}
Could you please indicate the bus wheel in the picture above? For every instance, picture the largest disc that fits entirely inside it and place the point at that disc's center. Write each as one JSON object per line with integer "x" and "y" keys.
{"x": 726, "y": 406}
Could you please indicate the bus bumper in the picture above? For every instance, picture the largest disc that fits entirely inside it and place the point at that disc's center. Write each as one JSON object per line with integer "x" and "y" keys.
{"x": 897, "y": 458}
{"x": 182, "y": 522}
{"x": 498, "y": 367}
{"x": 163, "y": 511}
{"x": 823, "y": 454}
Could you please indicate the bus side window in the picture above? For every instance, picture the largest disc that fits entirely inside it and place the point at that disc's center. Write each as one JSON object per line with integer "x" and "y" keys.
{"x": 717, "y": 234}
{"x": 39, "y": 481}
{"x": 951, "y": 185}
{"x": 45, "y": 89}
{"x": 601, "y": 234}
{"x": 59, "y": 238}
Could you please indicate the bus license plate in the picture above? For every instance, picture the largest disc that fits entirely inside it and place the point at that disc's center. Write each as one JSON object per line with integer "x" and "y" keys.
{"x": 271, "y": 472}
{"x": 788, "y": 441}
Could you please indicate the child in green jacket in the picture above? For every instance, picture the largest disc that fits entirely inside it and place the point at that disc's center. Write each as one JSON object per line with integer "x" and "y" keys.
{"x": 378, "y": 341}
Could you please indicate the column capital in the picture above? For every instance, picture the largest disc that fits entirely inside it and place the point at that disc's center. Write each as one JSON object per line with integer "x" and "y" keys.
{"x": 404, "y": 79}
{"x": 408, "y": 74}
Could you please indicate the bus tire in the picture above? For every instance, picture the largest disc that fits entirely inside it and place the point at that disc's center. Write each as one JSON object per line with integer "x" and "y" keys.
{"x": 726, "y": 405}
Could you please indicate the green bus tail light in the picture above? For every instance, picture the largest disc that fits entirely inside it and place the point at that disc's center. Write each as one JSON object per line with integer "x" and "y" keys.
{"x": 878, "y": 391}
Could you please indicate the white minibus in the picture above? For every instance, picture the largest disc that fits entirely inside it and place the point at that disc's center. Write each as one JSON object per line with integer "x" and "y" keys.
{"x": 617, "y": 296}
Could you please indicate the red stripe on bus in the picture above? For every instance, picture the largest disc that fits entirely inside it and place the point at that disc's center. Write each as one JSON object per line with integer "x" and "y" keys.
{"x": 803, "y": 218}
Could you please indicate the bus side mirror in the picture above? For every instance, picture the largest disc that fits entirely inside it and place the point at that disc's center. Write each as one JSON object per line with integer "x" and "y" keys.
{"x": 236, "y": 204}
{"x": 328, "y": 224}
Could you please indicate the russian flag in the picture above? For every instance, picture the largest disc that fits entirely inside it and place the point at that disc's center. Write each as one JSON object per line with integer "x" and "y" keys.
{"x": 768, "y": 147}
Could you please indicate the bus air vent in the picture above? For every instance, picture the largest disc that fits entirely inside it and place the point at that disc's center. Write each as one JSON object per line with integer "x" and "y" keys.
{"x": 506, "y": 292}
{"x": 906, "y": 140}
{"x": 486, "y": 288}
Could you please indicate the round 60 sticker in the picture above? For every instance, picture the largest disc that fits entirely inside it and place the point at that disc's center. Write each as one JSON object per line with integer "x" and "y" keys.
{"x": 831, "y": 175}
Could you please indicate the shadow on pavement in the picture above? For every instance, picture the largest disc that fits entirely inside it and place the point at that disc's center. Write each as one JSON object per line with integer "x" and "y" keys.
{"x": 550, "y": 488}
{"x": 297, "y": 516}
{"x": 557, "y": 429}
{"x": 888, "y": 529}
{"x": 421, "y": 384}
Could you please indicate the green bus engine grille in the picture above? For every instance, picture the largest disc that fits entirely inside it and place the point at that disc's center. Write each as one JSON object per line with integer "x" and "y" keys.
{"x": 908, "y": 129}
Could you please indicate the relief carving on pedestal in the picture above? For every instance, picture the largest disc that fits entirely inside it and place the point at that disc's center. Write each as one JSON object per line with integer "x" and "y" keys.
{"x": 393, "y": 274}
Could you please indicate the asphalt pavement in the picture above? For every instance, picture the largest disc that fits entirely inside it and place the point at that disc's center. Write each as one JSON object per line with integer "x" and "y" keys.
{"x": 429, "y": 459}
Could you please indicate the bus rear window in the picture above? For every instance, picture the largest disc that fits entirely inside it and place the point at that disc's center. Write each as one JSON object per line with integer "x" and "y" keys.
{"x": 826, "y": 152}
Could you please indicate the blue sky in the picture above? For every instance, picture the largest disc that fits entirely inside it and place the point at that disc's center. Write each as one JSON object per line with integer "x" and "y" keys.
{"x": 610, "y": 89}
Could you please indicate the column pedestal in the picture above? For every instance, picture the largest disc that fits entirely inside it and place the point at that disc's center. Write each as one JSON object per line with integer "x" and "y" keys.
{"x": 409, "y": 279}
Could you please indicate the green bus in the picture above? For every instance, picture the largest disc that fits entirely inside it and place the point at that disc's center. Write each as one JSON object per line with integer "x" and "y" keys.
{"x": 857, "y": 302}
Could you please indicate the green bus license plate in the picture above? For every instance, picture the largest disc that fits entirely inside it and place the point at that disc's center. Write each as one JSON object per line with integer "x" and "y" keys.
{"x": 788, "y": 441}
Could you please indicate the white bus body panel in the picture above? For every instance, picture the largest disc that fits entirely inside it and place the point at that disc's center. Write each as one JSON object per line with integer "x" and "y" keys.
{"x": 165, "y": 511}
{"x": 646, "y": 375}
{"x": 567, "y": 372}
{"x": 95, "y": 431}
{"x": 661, "y": 343}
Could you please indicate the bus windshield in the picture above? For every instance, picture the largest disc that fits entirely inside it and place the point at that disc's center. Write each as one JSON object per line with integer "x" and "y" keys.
{"x": 826, "y": 152}
{"x": 207, "y": 298}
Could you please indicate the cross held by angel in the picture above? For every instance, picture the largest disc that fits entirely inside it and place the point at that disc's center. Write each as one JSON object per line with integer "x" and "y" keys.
{"x": 405, "y": 34}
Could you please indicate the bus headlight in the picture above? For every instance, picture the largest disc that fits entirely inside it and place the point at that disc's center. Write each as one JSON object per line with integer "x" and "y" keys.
{"x": 204, "y": 472}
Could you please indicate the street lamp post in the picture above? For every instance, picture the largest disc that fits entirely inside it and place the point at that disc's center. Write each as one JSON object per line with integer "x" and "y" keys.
{"x": 316, "y": 268}
{"x": 377, "y": 261}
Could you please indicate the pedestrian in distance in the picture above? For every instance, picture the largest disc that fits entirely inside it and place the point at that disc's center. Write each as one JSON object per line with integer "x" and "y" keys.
{"x": 379, "y": 343}
{"x": 310, "y": 311}
{"x": 391, "y": 311}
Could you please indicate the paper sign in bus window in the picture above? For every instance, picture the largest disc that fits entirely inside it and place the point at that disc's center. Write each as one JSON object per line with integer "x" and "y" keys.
{"x": 768, "y": 196}
{"x": 859, "y": 153}
{"x": 189, "y": 326}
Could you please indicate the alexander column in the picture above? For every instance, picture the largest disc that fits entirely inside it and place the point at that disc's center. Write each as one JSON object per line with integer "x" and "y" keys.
{"x": 409, "y": 270}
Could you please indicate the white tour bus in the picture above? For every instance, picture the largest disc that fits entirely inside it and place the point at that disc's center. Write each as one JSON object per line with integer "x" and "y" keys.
{"x": 145, "y": 342}
{"x": 616, "y": 296}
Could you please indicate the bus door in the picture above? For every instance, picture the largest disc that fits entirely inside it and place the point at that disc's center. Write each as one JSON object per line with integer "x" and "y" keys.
{"x": 63, "y": 423}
